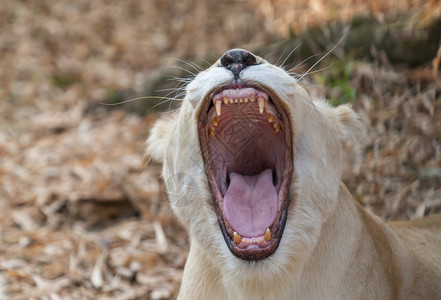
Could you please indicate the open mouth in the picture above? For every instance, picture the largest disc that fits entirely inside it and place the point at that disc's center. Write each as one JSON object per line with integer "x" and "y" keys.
{"x": 246, "y": 145}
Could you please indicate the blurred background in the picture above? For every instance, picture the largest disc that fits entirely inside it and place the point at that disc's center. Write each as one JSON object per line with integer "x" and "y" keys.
{"x": 82, "y": 214}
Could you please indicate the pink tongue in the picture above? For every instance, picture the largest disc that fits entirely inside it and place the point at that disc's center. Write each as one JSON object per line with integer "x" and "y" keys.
{"x": 250, "y": 203}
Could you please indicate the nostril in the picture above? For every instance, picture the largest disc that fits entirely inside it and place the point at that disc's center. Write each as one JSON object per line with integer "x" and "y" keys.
{"x": 236, "y": 60}
{"x": 226, "y": 60}
{"x": 248, "y": 58}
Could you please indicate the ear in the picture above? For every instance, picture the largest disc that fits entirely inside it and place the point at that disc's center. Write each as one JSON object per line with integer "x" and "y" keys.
{"x": 351, "y": 127}
{"x": 347, "y": 121}
{"x": 159, "y": 137}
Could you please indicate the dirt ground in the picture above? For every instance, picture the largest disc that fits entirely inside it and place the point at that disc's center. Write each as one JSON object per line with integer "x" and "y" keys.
{"x": 82, "y": 214}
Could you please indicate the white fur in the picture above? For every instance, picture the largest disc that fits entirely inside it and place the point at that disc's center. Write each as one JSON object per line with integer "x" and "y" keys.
{"x": 318, "y": 130}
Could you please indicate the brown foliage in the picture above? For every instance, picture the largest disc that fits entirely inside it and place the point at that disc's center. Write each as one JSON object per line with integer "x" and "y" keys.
{"x": 81, "y": 213}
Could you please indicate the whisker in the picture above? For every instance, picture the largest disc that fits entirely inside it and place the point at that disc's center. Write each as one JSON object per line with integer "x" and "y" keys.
{"x": 136, "y": 99}
{"x": 177, "y": 91}
{"x": 165, "y": 101}
{"x": 332, "y": 49}
{"x": 207, "y": 63}
{"x": 196, "y": 67}
{"x": 313, "y": 72}
{"x": 170, "y": 89}
{"x": 290, "y": 53}
{"x": 181, "y": 80}
{"x": 280, "y": 57}
{"x": 302, "y": 63}
{"x": 182, "y": 69}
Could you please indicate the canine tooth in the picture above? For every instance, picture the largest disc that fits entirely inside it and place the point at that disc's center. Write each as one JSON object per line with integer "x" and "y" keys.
{"x": 267, "y": 235}
{"x": 225, "y": 100}
{"x": 237, "y": 238}
{"x": 261, "y": 104}
{"x": 218, "y": 107}
{"x": 270, "y": 117}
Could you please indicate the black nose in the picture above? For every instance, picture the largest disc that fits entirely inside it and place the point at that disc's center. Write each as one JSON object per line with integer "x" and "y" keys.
{"x": 236, "y": 60}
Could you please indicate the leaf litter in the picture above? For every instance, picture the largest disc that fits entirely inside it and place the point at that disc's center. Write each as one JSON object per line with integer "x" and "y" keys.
{"x": 82, "y": 214}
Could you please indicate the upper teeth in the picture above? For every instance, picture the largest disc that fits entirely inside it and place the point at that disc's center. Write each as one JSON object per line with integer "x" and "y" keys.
{"x": 270, "y": 117}
{"x": 215, "y": 121}
{"x": 261, "y": 102}
{"x": 218, "y": 107}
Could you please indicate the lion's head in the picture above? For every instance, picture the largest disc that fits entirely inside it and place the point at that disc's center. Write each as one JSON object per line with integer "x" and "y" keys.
{"x": 252, "y": 164}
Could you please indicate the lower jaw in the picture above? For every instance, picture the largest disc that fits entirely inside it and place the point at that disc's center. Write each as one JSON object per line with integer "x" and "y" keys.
{"x": 260, "y": 249}
{"x": 259, "y": 242}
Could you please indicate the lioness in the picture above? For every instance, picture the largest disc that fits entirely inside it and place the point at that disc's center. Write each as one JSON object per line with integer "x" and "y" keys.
{"x": 252, "y": 167}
